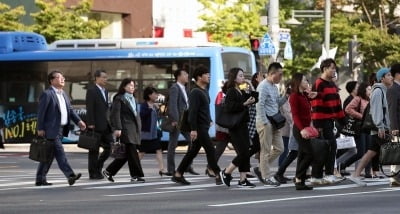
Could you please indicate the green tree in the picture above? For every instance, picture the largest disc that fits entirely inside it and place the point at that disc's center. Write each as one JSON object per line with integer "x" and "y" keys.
{"x": 232, "y": 23}
{"x": 377, "y": 46}
{"x": 55, "y": 21}
{"x": 10, "y": 18}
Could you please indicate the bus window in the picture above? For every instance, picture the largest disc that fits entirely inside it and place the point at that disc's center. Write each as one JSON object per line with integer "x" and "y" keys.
{"x": 243, "y": 61}
{"x": 23, "y": 92}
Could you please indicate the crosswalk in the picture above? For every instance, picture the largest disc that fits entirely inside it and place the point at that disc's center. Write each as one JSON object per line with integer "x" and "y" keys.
{"x": 154, "y": 183}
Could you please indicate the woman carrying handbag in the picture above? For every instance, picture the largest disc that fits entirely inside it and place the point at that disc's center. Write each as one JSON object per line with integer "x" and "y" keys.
{"x": 237, "y": 101}
{"x": 125, "y": 121}
{"x": 301, "y": 113}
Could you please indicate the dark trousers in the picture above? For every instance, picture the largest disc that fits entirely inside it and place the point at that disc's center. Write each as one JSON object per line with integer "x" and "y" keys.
{"x": 172, "y": 144}
{"x": 255, "y": 146}
{"x": 329, "y": 164}
{"x": 135, "y": 168}
{"x": 304, "y": 156}
{"x": 240, "y": 141}
{"x": 203, "y": 140}
{"x": 286, "y": 162}
{"x": 62, "y": 161}
{"x": 285, "y": 152}
{"x": 96, "y": 161}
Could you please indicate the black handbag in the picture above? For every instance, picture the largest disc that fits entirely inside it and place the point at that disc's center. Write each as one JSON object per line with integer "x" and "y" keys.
{"x": 165, "y": 121}
{"x": 320, "y": 148}
{"x": 227, "y": 119}
{"x": 166, "y": 124}
{"x": 352, "y": 127}
{"x": 367, "y": 122}
{"x": 41, "y": 150}
{"x": 118, "y": 150}
{"x": 390, "y": 155}
{"x": 277, "y": 120}
{"x": 88, "y": 140}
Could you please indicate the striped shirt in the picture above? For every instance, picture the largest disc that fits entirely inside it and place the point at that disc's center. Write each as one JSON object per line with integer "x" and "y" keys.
{"x": 327, "y": 105}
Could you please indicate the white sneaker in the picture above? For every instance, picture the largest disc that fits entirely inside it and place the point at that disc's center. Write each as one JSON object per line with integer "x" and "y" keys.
{"x": 317, "y": 181}
{"x": 358, "y": 181}
{"x": 331, "y": 179}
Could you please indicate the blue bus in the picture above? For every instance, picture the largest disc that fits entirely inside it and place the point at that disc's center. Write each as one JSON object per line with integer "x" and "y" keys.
{"x": 26, "y": 59}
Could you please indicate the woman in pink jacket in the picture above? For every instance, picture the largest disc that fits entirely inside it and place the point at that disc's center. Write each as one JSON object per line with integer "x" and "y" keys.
{"x": 355, "y": 109}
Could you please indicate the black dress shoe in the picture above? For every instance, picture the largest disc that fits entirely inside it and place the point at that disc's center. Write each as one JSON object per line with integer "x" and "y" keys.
{"x": 161, "y": 173}
{"x": 302, "y": 186}
{"x": 108, "y": 176}
{"x": 73, "y": 178}
{"x": 168, "y": 173}
{"x": 180, "y": 180}
{"x": 191, "y": 171}
{"x": 280, "y": 179}
{"x": 96, "y": 177}
{"x": 45, "y": 183}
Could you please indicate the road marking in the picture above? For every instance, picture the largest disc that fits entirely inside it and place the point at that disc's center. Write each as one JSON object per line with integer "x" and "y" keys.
{"x": 300, "y": 198}
{"x": 119, "y": 186}
{"x": 152, "y": 193}
{"x": 345, "y": 186}
{"x": 190, "y": 186}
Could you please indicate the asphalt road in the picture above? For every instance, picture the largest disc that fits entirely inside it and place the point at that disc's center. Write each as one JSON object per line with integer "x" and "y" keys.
{"x": 159, "y": 195}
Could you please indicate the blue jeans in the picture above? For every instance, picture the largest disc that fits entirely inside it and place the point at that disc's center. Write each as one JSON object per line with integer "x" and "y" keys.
{"x": 62, "y": 161}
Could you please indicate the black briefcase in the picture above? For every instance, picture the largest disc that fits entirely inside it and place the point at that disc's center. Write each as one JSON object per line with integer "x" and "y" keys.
{"x": 41, "y": 150}
{"x": 88, "y": 140}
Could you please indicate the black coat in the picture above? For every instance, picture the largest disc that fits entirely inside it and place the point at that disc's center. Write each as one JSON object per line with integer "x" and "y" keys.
{"x": 97, "y": 110}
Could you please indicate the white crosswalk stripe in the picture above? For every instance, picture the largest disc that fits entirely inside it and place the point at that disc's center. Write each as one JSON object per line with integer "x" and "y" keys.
{"x": 154, "y": 183}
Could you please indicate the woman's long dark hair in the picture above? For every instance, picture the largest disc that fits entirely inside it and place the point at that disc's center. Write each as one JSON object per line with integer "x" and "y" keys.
{"x": 121, "y": 88}
{"x": 297, "y": 78}
{"x": 362, "y": 90}
{"x": 254, "y": 80}
{"x": 231, "y": 83}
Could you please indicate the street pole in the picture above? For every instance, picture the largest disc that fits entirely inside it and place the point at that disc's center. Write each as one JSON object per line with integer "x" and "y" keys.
{"x": 273, "y": 25}
{"x": 327, "y": 25}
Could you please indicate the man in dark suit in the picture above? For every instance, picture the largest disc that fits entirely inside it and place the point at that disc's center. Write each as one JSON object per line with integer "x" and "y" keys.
{"x": 97, "y": 119}
{"x": 200, "y": 120}
{"x": 177, "y": 103}
{"x": 393, "y": 99}
{"x": 54, "y": 113}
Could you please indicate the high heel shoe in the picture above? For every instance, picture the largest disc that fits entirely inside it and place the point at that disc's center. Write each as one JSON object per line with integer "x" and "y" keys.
{"x": 209, "y": 174}
{"x": 161, "y": 173}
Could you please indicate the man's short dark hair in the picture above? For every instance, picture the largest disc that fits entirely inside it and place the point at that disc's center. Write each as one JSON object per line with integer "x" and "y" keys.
{"x": 199, "y": 71}
{"x": 273, "y": 67}
{"x": 98, "y": 72}
{"x": 350, "y": 86}
{"x": 51, "y": 76}
{"x": 178, "y": 72}
{"x": 326, "y": 63}
{"x": 394, "y": 69}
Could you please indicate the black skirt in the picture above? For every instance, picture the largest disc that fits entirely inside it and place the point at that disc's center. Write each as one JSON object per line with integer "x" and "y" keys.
{"x": 150, "y": 146}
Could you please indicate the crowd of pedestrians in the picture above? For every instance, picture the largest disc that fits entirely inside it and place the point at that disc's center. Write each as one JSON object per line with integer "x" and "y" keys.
{"x": 272, "y": 125}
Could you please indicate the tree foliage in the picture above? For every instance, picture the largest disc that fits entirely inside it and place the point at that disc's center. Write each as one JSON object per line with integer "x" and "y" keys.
{"x": 55, "y": 21}
{"x": 231, "y": 23}
{"x": 10, "y": 19}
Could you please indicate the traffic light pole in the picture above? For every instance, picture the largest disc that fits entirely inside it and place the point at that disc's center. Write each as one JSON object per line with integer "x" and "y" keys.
{"x": 273, "y": 26}
{"x": 327, "y": 31}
